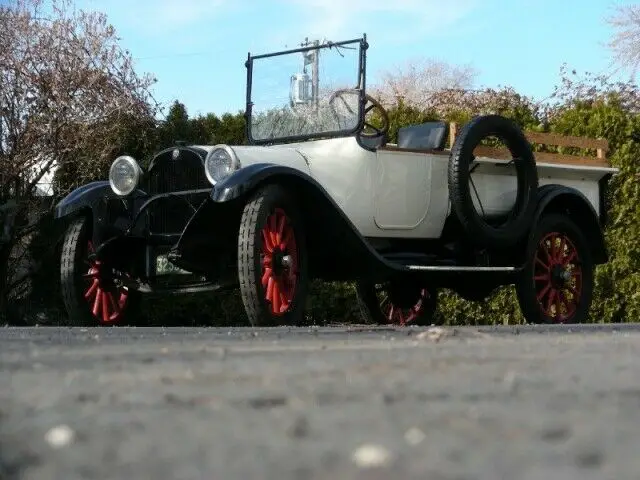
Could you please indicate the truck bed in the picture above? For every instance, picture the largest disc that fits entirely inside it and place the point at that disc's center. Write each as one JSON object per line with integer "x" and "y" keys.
{"x": 495, "y": 181}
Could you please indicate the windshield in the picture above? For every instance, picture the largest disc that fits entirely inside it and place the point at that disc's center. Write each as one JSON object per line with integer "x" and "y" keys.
{"x": 306, "y": 93}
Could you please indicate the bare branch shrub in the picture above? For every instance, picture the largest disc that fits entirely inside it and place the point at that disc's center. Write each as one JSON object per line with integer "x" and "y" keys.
{"x": 625, "y": 43}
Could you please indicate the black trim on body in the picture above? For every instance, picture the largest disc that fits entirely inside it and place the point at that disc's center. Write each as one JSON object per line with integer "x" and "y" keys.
{"x": 603, "y": 189}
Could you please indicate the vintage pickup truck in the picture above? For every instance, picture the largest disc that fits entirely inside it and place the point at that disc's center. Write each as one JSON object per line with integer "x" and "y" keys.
{"x": 319, "y": 192}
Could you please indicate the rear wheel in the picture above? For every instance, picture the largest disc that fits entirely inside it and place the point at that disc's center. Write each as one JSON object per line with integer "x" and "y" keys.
{"x": 397, "y": 303}
{"x": 91, "y": 289}
{"x": 556, "y": 285}
{"x": 272, "y": 259}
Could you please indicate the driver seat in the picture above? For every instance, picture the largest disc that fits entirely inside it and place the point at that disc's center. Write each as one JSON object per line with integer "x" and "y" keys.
{"x": 425, "y": 136}
{"x": 373, "y": 143}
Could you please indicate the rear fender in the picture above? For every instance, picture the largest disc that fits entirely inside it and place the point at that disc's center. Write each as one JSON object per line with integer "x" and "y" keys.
{"x": 572, "y": 203}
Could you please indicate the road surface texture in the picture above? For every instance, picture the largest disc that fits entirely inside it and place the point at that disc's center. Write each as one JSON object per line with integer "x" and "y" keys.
{"x": 320, "y": 403}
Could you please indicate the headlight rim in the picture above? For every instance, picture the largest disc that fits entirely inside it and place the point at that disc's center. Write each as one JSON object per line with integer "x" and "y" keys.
{"x": 233, "y": 165}
{"x": 138, "y": 174}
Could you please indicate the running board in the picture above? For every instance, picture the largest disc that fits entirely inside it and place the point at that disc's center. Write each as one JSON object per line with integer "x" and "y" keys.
{"x": 453, "y": 268}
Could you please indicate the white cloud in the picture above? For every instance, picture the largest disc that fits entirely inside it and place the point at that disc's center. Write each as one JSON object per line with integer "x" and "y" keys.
{"x": 159, "y": 16}
{"x": 398, "y": 20}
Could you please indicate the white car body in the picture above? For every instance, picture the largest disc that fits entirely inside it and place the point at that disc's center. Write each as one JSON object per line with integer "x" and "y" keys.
{"x": 392, "y": 193}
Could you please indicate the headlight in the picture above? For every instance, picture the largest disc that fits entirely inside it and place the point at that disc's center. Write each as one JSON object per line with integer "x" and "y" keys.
{"x": 220, "y": 163}
{"x": 124, "y": 175}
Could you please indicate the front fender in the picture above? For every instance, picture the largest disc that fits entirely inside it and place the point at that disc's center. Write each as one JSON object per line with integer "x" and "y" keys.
{"x": 88, "y": 197}
{"x": 247, "y": 178}
{"x": 94, "y": 198}
{"x": 82, "y": 197}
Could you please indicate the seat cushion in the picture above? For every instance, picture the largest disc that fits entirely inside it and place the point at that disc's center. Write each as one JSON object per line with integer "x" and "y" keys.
{"x": 425, "y": 136}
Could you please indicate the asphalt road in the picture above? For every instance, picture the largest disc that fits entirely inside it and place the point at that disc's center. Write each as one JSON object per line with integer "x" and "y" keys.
{"x": 329, "y": 403}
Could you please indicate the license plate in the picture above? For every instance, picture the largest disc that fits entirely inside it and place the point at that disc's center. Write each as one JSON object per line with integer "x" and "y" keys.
{"x": 165, "y": 267}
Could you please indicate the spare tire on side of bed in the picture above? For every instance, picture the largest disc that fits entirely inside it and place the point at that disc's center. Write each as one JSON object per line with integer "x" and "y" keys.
{"x": 519, "y": 219}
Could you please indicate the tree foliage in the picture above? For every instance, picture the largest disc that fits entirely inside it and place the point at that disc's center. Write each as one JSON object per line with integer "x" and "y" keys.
{"x": 206, "y": 129}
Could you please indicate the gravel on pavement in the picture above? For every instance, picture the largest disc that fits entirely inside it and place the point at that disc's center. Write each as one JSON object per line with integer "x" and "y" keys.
{"x": 493, "y": 403}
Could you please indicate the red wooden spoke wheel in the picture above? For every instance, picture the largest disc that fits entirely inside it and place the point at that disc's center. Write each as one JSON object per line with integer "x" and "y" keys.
{"x": 558, "y": 276}
{"x": 107, "y": 300}
{"x": 397, "y": 303}
{"x": 272, "y": 258}
{"x": 92, "y": 291}
{"x": 556, "y": 285}
{"x": 397, "y": 314}
{"x": 279, "y": 259}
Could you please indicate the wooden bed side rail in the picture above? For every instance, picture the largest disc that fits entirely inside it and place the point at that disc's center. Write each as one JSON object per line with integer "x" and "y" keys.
{"x": 601, "y": 146}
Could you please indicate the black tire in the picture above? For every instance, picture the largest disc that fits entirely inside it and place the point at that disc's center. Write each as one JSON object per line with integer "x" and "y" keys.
{"x": 74, "y": 264}
{"x": 417, "y": 307}
{"x": 268, "y": 201}
{"x": 534, "y": 282}
{"x": 517, "y": 224}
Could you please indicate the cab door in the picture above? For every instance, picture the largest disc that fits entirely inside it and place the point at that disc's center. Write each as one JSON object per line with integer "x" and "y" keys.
{"x": 402, "y": 186}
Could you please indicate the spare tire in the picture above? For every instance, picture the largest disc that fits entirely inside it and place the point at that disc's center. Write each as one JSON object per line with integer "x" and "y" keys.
{"x": 519, "y": 219}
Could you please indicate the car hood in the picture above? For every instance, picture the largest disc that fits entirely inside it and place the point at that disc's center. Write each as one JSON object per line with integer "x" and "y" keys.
{"x": 286, "y": 155}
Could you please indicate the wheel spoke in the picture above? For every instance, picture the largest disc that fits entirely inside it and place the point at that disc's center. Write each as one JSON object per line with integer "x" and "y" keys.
{"x": 114, "y": 305}
{"x": 560, "y": 253}
{"x": 105, "y": 306}
{"x": 572, "y": 255}
{"x": 266, "y": 241}
{"x": 401, "y": 317}
{"x": 568, "y": 304}
{"x": 558, "y": 305}
{"x": 542, "y": 278}
{"x": 284, "y": 303}
{"x": 554, "y": 251}
{"x": 266, "y": 276}
{"x": 272, "y": 230}
{"x": 275, "y": 299}
{"x": 92, "y": 289}
{"x": 270, "y": 285}
{"x": 544, "y": 292}
{"x": 541, "y": 263}
{"x": 96, "y": 302}
{"x": 288, "y": 235}
{"x": 550, "y": 300}
{"x": 281, "y": 227}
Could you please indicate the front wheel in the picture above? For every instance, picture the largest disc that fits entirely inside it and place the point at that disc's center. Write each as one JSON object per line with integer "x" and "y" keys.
{"x": 272, "y": 259}
{"x": 556, "y": 285}
{"x": 397, "y": 303}
{"x": 91, "y": 289}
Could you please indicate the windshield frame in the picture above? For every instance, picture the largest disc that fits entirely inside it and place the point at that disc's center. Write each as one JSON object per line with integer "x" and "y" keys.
{"x": 360, "y": 87}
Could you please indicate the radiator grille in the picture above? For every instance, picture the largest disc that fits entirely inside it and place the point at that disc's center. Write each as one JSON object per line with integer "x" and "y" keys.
{"x": 185, "y": 172}
{"x": 170, "y": 174}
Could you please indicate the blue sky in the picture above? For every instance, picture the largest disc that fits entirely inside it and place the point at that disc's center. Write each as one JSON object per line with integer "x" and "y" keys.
{"x": 197, "y": 48}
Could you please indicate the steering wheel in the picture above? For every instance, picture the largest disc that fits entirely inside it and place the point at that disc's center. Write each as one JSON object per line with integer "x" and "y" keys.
{"x": 370, "y": 104}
